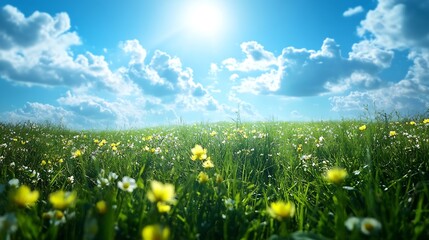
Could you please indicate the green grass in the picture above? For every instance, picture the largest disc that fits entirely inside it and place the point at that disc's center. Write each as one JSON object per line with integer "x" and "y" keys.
{"x": 259, "y": 163}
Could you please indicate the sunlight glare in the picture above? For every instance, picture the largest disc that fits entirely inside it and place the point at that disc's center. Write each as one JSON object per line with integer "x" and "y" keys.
{"x": 204, "y": 18}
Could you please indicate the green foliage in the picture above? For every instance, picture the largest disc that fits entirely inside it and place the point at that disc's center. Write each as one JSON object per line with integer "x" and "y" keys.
{"x": 255, "y": 164}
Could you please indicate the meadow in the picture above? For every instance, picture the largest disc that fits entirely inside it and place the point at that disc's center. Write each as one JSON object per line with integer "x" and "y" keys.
{"x": 274, "y": 180}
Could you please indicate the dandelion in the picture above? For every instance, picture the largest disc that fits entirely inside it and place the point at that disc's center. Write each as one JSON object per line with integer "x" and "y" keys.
{"x": 203, "y": 177}
{"x": 62, "y": 200}
{"x": 208, "y": 163}
{"x": 198, "y": 153}
{"x": 127, "y": 184}
{"x": 155, "y": 232}
{"x": 362, "y": 128}
{"x": 392, "y": 133}
{"x": 161, "y": 192}
{"x": 24, "y": 197}
{"x": 281, "y": 210}
{"x": 369, "y": 226}
{"x": 336, "y": 175}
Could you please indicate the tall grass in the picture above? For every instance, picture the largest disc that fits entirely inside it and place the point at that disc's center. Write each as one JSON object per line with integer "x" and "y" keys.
{"x": 255, "y": 165}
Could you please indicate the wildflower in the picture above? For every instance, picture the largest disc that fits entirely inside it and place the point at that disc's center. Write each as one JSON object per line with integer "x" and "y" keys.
{"x": 426, "y": 121}
{"x": 213, "y": 133}
{"x": 336, "y": 175}
{"x": 362, "y": 128}
{"x": 208, "y": 163}
{"x": 112, "y": 176}
{"x": 199, "y": 153}
{"x": 161, "y": 192}
{"x": 203, "y": 177}
{"x": 163, "y": 207}
{"x": 61, "y": 199}
{"x": 369, "y": 226}
{"x": 43, "y": 163}
{"x": 77, "y": 153}
{"x": 24, "y": 197}
{"x": 127, "y": 184}
{"x": 281, "y": 210}
{"x": 155, "y": 232}
{"x": 14, "y": 182}
{"x": 101, "y": 207}
{"x": 70, "y": 179}
{"x": 392, "y": 133}
{"x": 102, "y": 182}
{"x": 299, "y": 148}
{"x": 412, "y": 123}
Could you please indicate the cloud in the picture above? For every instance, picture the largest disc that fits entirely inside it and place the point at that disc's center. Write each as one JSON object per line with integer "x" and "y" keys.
{"x": 38, "y": 112}
{"x": 353, "y": 11}
{"x": 398, "y": 24}
{"x": 410, "y": 95}
{"x": 257, "y": 59}
{"x": 302, "y": 72}
{"x": 37, "y": 50}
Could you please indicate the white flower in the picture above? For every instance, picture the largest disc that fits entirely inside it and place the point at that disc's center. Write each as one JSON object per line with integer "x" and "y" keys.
{"x": 369, "y": 226}
{"x": 14, "y": 182}
{"x": 351, "y": 223}
{"x": 102, "y": 182}
{"x": 112, "y": 176}
{"x": 127, "y": 184}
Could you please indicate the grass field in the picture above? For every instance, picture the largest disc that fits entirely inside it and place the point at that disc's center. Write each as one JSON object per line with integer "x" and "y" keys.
{"x": 276, "y": 180}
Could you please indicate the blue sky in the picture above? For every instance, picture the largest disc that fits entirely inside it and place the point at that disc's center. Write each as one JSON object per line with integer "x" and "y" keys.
{"x": 130, "y": 64}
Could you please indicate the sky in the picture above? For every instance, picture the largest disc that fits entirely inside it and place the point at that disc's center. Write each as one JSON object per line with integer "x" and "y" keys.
{"x": 139, "y": 63}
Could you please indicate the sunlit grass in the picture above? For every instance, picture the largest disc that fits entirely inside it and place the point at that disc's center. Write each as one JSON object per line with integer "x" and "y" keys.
{"x": 334, "y": 180}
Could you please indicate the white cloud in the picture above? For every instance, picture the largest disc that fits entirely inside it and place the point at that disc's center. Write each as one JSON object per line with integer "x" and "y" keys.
{"x": 302, "y": 72}
{"x": 353, "y": 11}
{"x": 369, "y": 51}
{"x": 37, "y": 50}
{"x": 257, "y": 59}
{"x": 398, "y": 24}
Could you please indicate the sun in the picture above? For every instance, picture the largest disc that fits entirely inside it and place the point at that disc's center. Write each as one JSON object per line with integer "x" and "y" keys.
{"x": 204, "y": 18}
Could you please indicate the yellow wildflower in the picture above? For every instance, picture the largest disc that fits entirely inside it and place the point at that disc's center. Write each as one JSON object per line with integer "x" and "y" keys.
{"x": 163, "y": 207}
{"x": 412, "y": 123}
{"x": 155, "y": 232}
{"x": 203, "y": 177}
{"x": 281, "y": 210}
{"x": 213, "y": 133}
{"x": 336, "y": 175}
{"x": 24, "y": 197}
{"x": 61, "y": 199}
{"x": 199, "y": 153}
{"x": 208, "y": 163}
{"x": 426, "y": 121}
{"x": 43, "y": 163}
{"x": 101, "y": 207}
{"x": 77, "y": 153}
{"x": 362, "y": 128}
{"x": 161, "y": 192}
{"x": 392, "y": 133}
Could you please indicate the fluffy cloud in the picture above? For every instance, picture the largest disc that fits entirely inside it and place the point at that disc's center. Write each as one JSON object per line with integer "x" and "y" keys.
{"x": 353, "y": 11}
{"x": 36, "y": 50}
{"x": 302, "y": 72}
{"x": 398, "y": 24}
{"x": 257, "y": 58}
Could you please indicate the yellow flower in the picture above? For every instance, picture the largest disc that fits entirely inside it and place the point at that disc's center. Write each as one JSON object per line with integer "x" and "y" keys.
{"x": 203, "y": 177}
{"x": 392, "y": 133}
{"x": 336, "y": 175}
{"x": 426, "y": 121}
{"x": 362, "y": 128}
{"x": 77, "y": 153}
{"x": 412, "y": 123}
{"x": 199, "y": 153}
{"x": 281, "y": 210}
{"x": 43, "y": 163}
{"x": 208, "y": 163}
{"x": 163, "y": 207}
{"x": 161, "y": 192}
{"x": 62, "y": 200}
{"x": 101, "y": 207}
{"x": 24, "y": 197}
{"x": 155, "y": 232}
{"x": 213, "y": 133}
